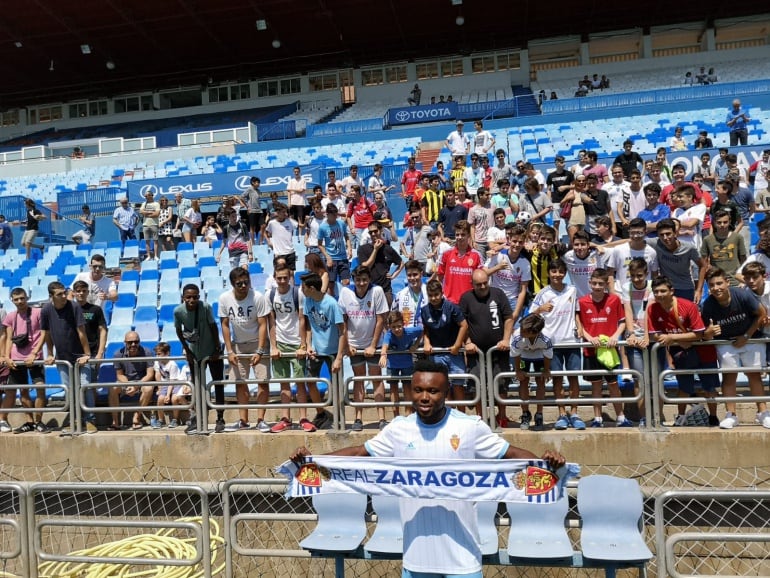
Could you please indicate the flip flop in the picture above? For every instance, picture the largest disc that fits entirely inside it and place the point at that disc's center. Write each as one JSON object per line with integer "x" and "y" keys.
{"x": 137, "y": 425}
{"x": 114, "y": 427}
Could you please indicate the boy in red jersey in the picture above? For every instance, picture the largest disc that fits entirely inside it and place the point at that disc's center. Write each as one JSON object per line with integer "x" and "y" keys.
{"x": 601, "y": 314}
{"x": 456, "y": 268}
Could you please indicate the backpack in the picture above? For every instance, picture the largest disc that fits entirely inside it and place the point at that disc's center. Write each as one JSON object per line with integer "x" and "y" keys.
{"x": 295, "y": 295}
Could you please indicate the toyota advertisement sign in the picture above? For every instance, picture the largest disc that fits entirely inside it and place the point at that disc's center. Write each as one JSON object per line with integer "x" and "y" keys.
{"x": 218, "y": 184}
{"x": 417, "y": 114}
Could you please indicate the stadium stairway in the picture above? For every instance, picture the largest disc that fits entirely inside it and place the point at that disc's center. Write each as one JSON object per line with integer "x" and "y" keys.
{"x": 428, "y": 154}
{"x": 527, "y": 106}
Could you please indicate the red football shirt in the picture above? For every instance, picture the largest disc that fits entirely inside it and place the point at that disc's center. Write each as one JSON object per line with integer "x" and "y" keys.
{"x": 661, "y": 321}
{"x": 600, "y": 318}
{"x": 457, "y": 271}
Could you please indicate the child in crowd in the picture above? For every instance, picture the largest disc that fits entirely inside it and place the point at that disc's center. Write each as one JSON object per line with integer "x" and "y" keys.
{"x": 168, "y": 370}
{"x": 434, "y": 256}
{"x": 531, "y": 353}
{"x": 445, "y": 327}
{"x": 557, "y": 303}
{"x": 211, "y": 231}
{"x": 637, "y": 293}
{"x": 601, "y": 321}
{"x": 396, "y": 355}
{"x": 533, "y": 236}
{"x": 509, "y": 270}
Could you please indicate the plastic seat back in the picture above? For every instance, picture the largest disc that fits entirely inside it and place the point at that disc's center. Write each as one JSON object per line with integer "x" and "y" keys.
{"x": 611, "y": 509}
{"x": 388, "y": 537}
{"x": 341, "y": 524}
{"x": 537, "y": 530}
{"x": 488, "y": 536}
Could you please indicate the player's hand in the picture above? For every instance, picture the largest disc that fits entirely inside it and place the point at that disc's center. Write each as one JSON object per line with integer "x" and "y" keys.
{"x": 554, "y": 459}
{"x": 299, "y": 454}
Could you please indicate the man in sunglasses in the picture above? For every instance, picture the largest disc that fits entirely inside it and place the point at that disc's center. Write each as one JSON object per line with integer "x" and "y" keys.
{"x": 100, "y": 287}
{"x": 244, "y": 314}
{"x": 140, "y": 372}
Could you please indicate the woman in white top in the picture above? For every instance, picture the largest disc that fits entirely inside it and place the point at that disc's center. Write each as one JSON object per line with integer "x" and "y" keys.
{"x": 192, "y": 220}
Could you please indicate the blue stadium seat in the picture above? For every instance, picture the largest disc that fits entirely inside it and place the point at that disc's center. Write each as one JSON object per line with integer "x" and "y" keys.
{"x": 144, "y": 314}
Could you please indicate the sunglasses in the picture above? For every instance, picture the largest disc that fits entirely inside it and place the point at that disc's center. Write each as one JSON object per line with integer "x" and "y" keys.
{"x": 241, "y": 283}
{"x": 136, "y": 342}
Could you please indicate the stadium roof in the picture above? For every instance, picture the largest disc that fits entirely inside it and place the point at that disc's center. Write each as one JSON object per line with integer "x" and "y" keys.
{"x": 52, "y": 51}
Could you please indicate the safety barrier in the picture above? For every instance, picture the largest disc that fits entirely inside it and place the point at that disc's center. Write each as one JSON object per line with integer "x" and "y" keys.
{"x": 103, "y": 529}
{"x": 14, "y": 527}
{"x": 49, "y": 526}
{"x": 712, "y": 533}
{"x": 338, "y": 397}
{"x": 68, "y": 389}
{"x": 82, "y": 406}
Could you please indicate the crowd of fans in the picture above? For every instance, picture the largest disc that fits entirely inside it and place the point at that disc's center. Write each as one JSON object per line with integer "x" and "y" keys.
{"x": 497, "y": 256}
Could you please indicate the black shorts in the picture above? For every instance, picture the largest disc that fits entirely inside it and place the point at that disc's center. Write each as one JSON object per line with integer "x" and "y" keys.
{"x": 297, "y": 213}
{"x": 592, "y": 364}
{"x": 256, "y": 220}
{"x": 19, "y": 376}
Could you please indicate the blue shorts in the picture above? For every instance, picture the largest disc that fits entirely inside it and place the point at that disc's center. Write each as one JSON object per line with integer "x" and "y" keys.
{"x": 340, "y": 271}
{"x": 567, "y": 359}
{"x": 454, "y": 363}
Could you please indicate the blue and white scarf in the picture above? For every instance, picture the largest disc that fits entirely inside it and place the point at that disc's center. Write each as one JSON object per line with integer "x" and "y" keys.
{"x": 474, "y": 480}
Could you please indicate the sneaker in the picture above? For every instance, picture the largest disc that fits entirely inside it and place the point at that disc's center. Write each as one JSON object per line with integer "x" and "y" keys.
{"x": 382, "y": 424}
{"x": 219, "y": 426}
{"x": 25, "y": 428}
{"x": 643, "y": 422}
{"x": 538, "y": 421}
{"x": 5, "y": 427}
{"x": 576, "y": 422}
{"x": 358, "y": 425}
{"x": 155, "y": 423}
{"x": 307, "y": 425}
{"x": 763, "y": 419}
{"x": 625, "y": 422}
{"x": 562, "y": 423}
{"x": 713, "y": 421}
{"x": 597, "y": 423}
{"x": 238, "y": 426}
{"x": 282, "y": 424}
{"x": 263, "y": 426}
{"x": 323, "y": 420}
{"x": 172, "y": 424}
{"x": 680, "y": 421}
{"x": 91, "y": 427}
{"x": 40, "y": 427}
{"x": 502, "y": 421}
{"x": 730, "y": 421}
{"x": 192, "y": 426}
{"x": 526, "y": 417}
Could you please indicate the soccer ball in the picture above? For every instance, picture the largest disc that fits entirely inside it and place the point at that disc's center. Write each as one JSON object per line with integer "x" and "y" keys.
{"x": 523, "y": 217}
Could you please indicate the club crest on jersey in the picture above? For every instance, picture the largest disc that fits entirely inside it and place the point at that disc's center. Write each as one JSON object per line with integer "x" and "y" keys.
{"x": 608, "y": 310}
{"x": 535, "y": 481}
{"x": 470, "y": 262}
{"x": 311, "y": 475}
{"x": 454, "y": 441}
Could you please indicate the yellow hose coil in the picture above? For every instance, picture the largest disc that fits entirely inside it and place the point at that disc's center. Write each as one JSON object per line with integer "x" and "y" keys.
{"x": 158, "y": 546}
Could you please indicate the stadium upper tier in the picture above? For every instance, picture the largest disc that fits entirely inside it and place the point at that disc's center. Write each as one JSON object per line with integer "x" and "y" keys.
{"x": 731, "y": 71}
{"x": 378, "y": 109}
{"x": 537, "y": 143}
{"x": 45, "y": 187}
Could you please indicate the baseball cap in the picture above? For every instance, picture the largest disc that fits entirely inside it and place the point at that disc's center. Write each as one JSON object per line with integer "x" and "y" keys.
{"x": 459, "y": 122}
